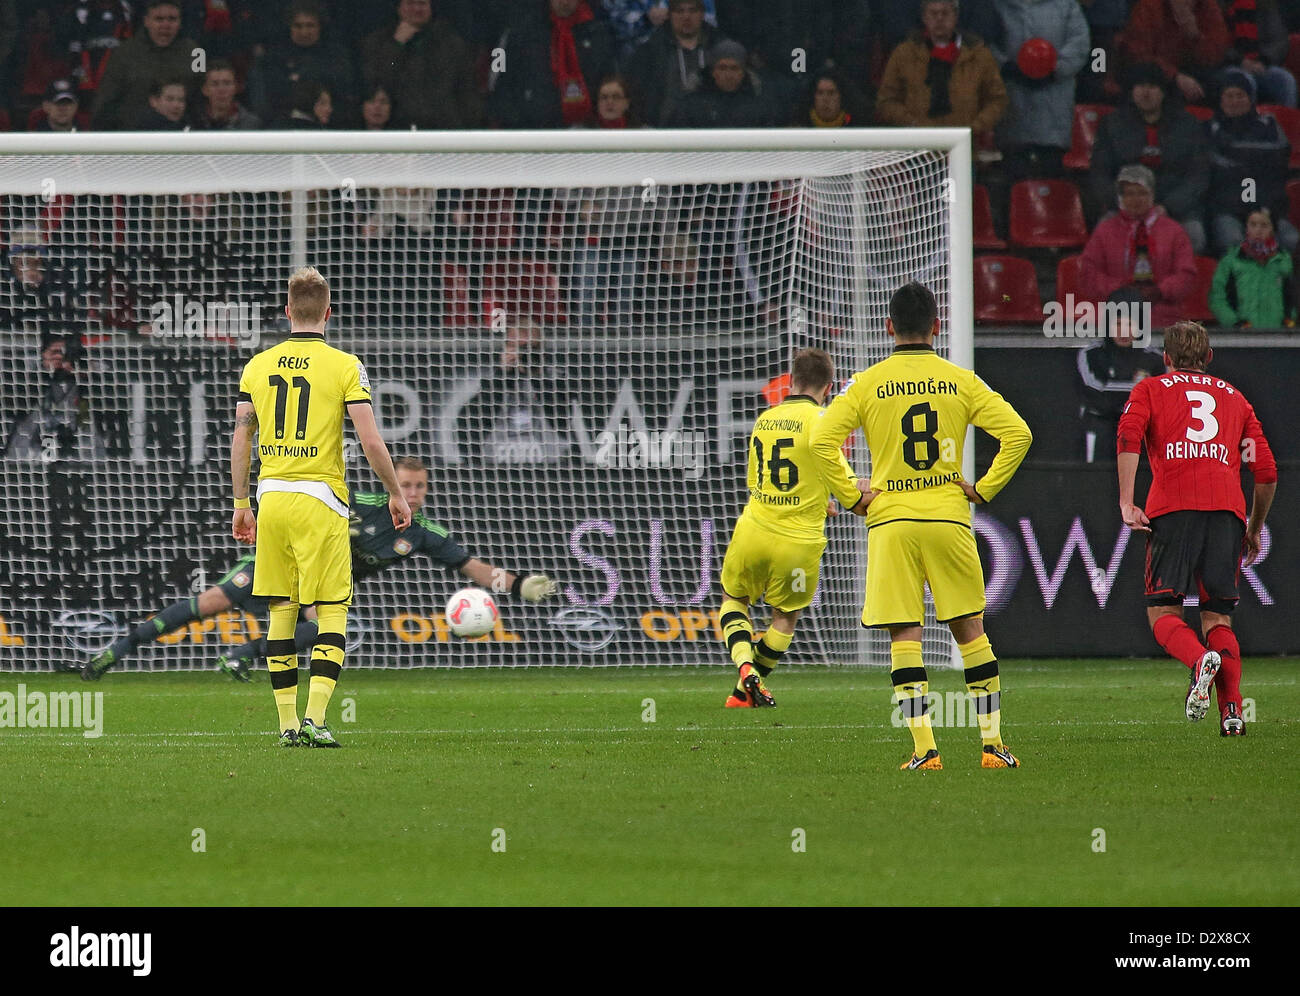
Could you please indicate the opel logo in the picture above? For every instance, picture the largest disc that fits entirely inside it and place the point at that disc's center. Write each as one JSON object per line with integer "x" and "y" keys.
{"x": 585, "y": 628}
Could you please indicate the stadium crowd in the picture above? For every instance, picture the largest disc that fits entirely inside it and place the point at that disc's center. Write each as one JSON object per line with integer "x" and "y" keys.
{"x": 1120, "y": 144}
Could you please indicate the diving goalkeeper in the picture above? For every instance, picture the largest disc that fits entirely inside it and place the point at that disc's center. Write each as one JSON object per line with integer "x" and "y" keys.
{"x": 376, "y": 546}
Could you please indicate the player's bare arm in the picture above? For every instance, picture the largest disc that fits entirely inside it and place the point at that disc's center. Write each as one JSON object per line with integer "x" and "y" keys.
{"x": 1261, "y": 501}
{"x": 243, "y": 525}
{"x": 969, "y": 491}
{"x": 381, "y": 462}
{"x": 1133, "y": 516}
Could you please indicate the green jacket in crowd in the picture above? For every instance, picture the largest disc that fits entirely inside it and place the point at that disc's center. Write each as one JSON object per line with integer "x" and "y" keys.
{"x": 1245, "y": 292}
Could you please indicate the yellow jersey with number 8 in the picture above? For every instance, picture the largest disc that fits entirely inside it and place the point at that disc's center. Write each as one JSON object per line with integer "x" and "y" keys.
{"x": 299, "y": 389}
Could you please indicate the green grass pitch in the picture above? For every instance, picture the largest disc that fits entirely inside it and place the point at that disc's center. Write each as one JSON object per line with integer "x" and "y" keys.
{"x": 594, "y": 805}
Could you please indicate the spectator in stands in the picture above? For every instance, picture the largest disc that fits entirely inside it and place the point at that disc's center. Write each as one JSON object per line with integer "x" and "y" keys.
{"x": 1187, "y": 39}
{"x": 311, "y": 106}
{"x": 599, "y": 228}
{"x": 940, "y": 77}
{"x": 218, "y": 109}
{"x": 788, "y": 39}
{"x": 90, "y": 32}
{"x": 1105, "y": 21}
{"x": 1108, "y": 370}
{"x": 671, "y": 63}
{"x": 677, "y": 295}
{"x": 633, "y": 21}
{"x": 59, "y": 108}
{"x": 60, "y": 428}
{"x": 1155, "y": 130}
{"x": 1139, "y": 247}
{"x": 165, "y": 110}
{"x": 828, "y": 104}
{"x": 728, "y": 98}
{"x": 403, "y": 236}
{"x": 306, "y": 54}
{"x": 1259, "y": 44}
{"x": 157, "y": 52}
{"x": 894, "y": 20}
{"x": 1034, "y": 134}
{"x": 1255, "y": 283}
{"x": 426, "y": 67}
{"x": 376, "y": 109}
{"x": 1248, "y": 165}
{"x": 556, "y": 53}
{"x": 26, "y": 301}
{"x": 614, "y": 106}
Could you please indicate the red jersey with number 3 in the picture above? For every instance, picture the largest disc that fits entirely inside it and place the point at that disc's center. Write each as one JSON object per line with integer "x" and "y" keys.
{"x": 1198, "y": 429}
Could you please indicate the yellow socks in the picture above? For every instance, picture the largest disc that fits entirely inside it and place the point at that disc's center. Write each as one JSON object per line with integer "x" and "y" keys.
{"x": 326, "y": 659}
{"x": 282, "y": 662}
{"x": 737, "y": 632}
{"x": 983, "y": 685}
{"x": 911, "y": 688}
{"x": 770, "y": 649}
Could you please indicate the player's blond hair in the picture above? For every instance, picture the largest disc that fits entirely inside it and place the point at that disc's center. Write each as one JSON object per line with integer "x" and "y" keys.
{"x": 309, "y": 297}
{"x": 1187, "y": 345}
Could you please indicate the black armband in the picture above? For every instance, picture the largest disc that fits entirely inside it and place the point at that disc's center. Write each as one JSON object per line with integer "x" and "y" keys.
{"x": 519, "y": 583}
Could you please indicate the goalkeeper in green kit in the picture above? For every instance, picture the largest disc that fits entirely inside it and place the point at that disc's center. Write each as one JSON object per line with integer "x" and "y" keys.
{"x": 376, "y": 546}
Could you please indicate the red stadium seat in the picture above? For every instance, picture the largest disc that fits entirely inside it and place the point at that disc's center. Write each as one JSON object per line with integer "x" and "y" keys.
{"x": 1047, "y": 214}
{"x": 1199, "y": 112}
{"x": 1197, "y": 306}
{"x": 1084, "y": 133}
{"x": 522, "y": 288}
{"x": 458, "y": 309}
{"x": 1067, "y": 282}
{"x": 1293, "y": 56}
{"x": 1006, "y": 291}
{"x": 1293, "y": 201}
{"x": 1289, "y": 119}
{"x": 986, "y": 236}
{"x": 4, "y": 120}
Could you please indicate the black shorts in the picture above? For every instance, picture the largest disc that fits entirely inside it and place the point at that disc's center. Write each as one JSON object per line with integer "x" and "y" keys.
{"x": 1195, "y": 552}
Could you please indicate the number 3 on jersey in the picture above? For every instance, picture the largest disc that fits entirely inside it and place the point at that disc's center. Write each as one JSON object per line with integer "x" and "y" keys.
{"x": 1203, "y": 411}
{"x": 282, "y": 403}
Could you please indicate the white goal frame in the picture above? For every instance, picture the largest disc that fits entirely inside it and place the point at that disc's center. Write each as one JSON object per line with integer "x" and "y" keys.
{"x": 293, "y": 161}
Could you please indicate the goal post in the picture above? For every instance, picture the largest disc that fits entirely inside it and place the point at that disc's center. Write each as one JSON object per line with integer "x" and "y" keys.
{"x": 573, "y": 329}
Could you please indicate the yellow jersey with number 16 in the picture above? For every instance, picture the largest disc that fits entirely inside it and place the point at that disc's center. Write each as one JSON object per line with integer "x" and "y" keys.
{"x": 787, "y": 492}
{"x": 299, "y": 389}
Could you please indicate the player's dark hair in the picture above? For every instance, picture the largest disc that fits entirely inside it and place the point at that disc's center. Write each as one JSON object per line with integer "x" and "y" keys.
{"x": 812, "y": 368}
{"x": 1187, "y": 345}
{"x": 409, "y": 463}
{"x": 218, "y": 65}
{"x": 161, "y": 83}
{"x": 913, "y": 310}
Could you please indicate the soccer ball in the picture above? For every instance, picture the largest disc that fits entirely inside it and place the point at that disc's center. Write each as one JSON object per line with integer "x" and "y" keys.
{"x": 471, "y": 612}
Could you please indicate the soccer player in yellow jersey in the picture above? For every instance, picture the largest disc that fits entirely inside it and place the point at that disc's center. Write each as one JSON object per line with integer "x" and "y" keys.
{"x": 776, "y": 548}
{"x": 914, "y": 409}
{"x": 293, "y": 397}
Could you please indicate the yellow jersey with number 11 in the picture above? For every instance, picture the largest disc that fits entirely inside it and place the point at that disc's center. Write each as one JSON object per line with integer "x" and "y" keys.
{"x": 299, "y": 389}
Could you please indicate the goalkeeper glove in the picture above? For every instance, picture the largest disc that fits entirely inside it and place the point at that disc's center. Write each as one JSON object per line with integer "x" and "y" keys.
{"x": 537, "y": 587}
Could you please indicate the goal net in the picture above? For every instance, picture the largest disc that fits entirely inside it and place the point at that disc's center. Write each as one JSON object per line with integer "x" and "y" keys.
{"x": 573, "y": 331}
